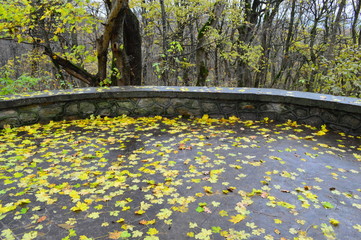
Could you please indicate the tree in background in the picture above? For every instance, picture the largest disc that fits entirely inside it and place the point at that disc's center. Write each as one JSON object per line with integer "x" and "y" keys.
{"x": 74, "y": 37}
{"x": 309, "y": 45}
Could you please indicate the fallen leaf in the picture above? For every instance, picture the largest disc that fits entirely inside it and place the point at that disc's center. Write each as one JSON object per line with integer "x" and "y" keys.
{"x": 264, "y": 194}
{"x": 115, "y": 235}
{"x": 277, "y": 231}
{"x": 334, "y": 222}
{"x": 327, "y": 205}
{"x": 145, "y": 222}
{"x": 237, "y": 218}
{"x": 153, "y": 231}
{"x": 66, "y": 226}
{"x": 41, "y": 219}
{"x": 223, "y": 213}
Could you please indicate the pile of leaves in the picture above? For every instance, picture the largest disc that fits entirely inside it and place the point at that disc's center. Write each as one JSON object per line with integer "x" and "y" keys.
{"x": 160, "y": 178}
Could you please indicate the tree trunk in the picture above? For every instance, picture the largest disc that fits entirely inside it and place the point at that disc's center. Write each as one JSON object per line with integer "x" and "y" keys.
{"x": 201, "y": 53}
{"x": 336, "y": 27}
{"x": 357, "y": 8}
{"x": 285, "y": 62}
{"x": 126, "y": 48}
{"x": 71, "y": 68}
{"x": 266, "y": 39}
{"x": 246, "y": 33}
{"x": 122, "y": 30}
{"x": 164, "y": 74}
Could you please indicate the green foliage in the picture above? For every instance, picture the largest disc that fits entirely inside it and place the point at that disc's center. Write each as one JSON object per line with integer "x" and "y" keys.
{"x": 250, "y": 54}
{"x": 274, "y": 53}
{"x": 342, "y": 75}
{"x": 24, "y": 83}
{"x": 57, "y": 24}
{"x": 21, "y": 16}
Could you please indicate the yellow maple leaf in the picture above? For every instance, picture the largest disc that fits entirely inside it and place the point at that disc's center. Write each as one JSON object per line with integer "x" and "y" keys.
{"x": 277, "y": 221}
{"x": 80, "y": 207}
{"x": 237, "y": 218}
{"x": 152, "y": 231}
{"x": 145, "y": 222}
{"x": 334, "y": 222}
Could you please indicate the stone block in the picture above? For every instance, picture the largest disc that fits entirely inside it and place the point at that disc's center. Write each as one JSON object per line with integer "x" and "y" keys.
{"x": 149, "y": 111}
{"x": 316, "y": 111}
{"x": 228, "y": 109}
{"x": 329, "y": 117}
{"x": 104, "y": 104}
{"x": 188, "y": 103}
{"x": 164, "y": 102}
{"x": 193, "y": 104}
{"x": 51, "y": 111}
{"x": 351, "y": 121}
{"x": 248, "y": 116}
{"x": 145, "y": 103}
{"x": 314, "y": 121}
{"x": 104, "y": 112}
{"x": 301, "y": 113}
{"x": 147, "y": 107}
{"x": 125, "y": 105}
{"x": 87, "y": 108}
{"x": 72, "y": 109}
{"x": 273, "y": 107}
{"x": 247, "y": 107}
{"x": 184, "y": 111}
{"x": 8, "y": 114}
{"x": 170, "y": 111}
{"x": 122, "y": 111}
{"x": 31, "y": 108}
{"x": 28, "y": 117}
{"x": 14, "y": 122}
{"x": 270, "y": 115}
{"x": 210, "y": 108}
{"x": 336, "y": 127}
{"x": 284, "y": 117}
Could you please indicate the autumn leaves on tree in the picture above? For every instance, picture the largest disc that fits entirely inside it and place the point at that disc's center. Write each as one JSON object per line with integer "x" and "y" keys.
{"x": 296, "y": 45}
{"x": 55, "y": 26}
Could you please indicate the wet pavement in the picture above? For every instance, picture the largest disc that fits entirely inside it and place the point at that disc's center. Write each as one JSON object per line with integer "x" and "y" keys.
{"x": 159, "y": 178}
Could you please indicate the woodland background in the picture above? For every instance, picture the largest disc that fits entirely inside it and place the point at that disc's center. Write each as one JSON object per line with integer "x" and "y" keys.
{"x": 306, "y": 45}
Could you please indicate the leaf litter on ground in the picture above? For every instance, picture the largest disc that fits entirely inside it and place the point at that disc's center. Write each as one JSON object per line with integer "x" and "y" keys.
{"x": 156, "y": 177}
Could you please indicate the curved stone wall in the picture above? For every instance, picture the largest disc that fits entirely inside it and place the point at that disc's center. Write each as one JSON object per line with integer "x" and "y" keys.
{"x": 339, "y": 113}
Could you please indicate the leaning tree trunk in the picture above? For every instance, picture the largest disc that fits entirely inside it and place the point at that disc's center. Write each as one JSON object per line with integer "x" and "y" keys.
{"x": 126, "y": 48}
{"x": 121, "y": 29}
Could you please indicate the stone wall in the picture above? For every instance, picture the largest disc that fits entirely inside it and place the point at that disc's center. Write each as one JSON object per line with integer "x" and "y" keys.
{"x": 339, "y": 113}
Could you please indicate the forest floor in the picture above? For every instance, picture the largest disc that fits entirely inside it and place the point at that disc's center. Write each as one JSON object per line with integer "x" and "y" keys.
{"x": 158, "y": 178}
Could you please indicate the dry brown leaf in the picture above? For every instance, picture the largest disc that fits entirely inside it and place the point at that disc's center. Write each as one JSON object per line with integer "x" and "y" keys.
{"x": 41, "y": 219}
{"x": 66, "y": 226}
{"x": 277, "y": 231}
{"x": 114, "y": 235}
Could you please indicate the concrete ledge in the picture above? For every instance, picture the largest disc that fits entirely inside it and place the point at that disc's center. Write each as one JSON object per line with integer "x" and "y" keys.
{"x": 339, "y": 113}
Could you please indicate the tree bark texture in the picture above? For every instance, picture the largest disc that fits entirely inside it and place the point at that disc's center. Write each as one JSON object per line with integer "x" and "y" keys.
{"x": 246, "y": 34}
{"x": 201, "y": 52}
{"x": 122, "y": 31}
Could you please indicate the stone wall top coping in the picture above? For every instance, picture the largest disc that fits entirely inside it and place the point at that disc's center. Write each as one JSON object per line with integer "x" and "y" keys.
{"x": 212, "y": 93}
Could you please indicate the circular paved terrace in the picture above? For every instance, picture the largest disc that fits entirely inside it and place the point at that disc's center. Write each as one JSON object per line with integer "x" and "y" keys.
{"x": 175, "y": 178}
